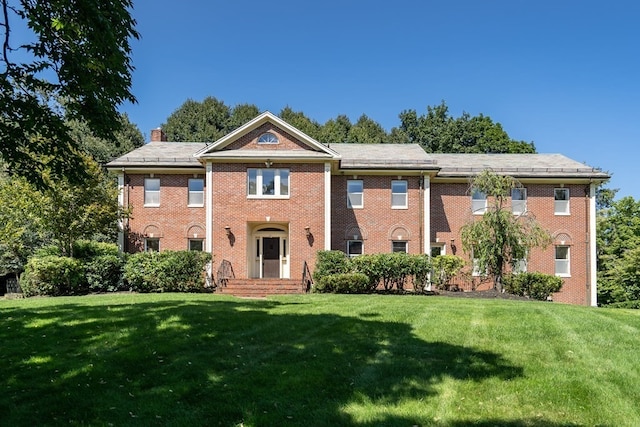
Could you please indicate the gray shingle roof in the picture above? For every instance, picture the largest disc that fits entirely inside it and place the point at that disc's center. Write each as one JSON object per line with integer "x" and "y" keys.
{"x": 518, "y": 165}
{"x": 172, "y": 154}
{"x": 400, "y": 156}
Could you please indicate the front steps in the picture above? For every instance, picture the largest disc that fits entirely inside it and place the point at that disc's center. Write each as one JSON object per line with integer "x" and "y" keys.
{"x": 260, "y": 288}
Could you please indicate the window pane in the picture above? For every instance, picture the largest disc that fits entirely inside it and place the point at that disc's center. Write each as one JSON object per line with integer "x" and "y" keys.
{"x": 152, "y": 184}
{"x": 399, "y": 193}
{"x": 152, "y": 245}
{"x": 398, "y": 246}
{"x": 398, "y": 200}
{"x": 354, "y": 186}
{"x": 436, "y": 251}
{"x": 284, "y": 182}
{"x": 268, "y": 182}
{"x": 196, "y": 184}
{"x": 562, "y": 252}
{"x": 519, "y": 194}
{"x": 354, "y": 193}
{"x": 354, "y": 247}
{"x": 152, "y": 191}
{"x": 196, "y": 192}
{"x": 561, "y": 194}
{"x": 355, "y": 200}
{"x": 196, "y": 245}
{"x": 252, "y": 181}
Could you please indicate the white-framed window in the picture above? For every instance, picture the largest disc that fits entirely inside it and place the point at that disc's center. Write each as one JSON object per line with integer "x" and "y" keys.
{"x": 196, "y": 192}
{"x": 268, "y": 183}
{"x": 355, "y": 193}
{"x": 437, "y": 250}
{"x": 562, "y": 264}
{"x": 355, "y": 247}
{"x": 561, "y": 201}
{"x": 152, "y": 244}
{"x": 399, "y": 194}
{"x": 520, "y": 266}
{"x": 267, "y": 138}
{"x": 478, "y": 202}
{"x": 399, "y": 246}
{"x": 475, "y": 268}
{"x": 152, "y": 191}
{"x": 196, "y": 245}
{"x": 518, "y": 201}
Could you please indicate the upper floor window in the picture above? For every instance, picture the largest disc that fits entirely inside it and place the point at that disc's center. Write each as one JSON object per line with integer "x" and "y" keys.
{"x": 267, "y": 183}
{"x": 355, "y": 196}
{"x": 267, "y": 138}
{"x": 152, "y": 191}
{"x": 561, "y": 203}
{"x": 196, "y": 192}
{"x": 562, "y": 267}
{"x": 478, "y": 202}
{"x": 399, "y": 194}
{"x": 518, "y": 201}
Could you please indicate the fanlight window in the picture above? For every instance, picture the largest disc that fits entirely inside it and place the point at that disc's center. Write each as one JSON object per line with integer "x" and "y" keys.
{"x": 268, "y": 138}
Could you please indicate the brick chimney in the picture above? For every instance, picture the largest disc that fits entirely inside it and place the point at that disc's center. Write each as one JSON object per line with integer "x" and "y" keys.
{"x": 158, "y": 135}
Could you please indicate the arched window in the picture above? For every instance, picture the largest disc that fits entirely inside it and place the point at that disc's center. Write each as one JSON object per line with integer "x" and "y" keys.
{"x": 268, "y": 138}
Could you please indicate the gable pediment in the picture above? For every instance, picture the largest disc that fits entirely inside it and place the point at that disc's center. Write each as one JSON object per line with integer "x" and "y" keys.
{"x": 266, "y": 136}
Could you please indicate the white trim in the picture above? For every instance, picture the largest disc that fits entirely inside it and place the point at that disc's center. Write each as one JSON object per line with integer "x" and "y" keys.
{"x": 327, "y": 206}
{"x": 121, "y": 205}
{"x": 593, "y": 275}
{"x": 427, "y": 214}
{"x": 208, "y": 200}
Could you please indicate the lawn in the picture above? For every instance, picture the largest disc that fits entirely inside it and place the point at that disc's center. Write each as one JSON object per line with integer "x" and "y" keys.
{"x": 315, "y": 360}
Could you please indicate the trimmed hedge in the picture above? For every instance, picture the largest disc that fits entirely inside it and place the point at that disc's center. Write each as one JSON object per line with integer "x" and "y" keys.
{"x": 343, "y": 283}
{"x": 535, "y": 285}
{"x": 168, "y": 271}
{"x": 53, "y": 275}
{"x": 104, "y": 273}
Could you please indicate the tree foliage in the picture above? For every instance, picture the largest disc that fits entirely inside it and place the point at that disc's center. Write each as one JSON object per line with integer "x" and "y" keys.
{"x": 500, "y": 238}
{"x": 80, "y": 53}
{"x": 618, "y": 243}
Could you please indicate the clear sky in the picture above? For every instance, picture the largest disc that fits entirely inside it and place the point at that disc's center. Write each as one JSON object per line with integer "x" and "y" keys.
{"x": 563, "y": 74}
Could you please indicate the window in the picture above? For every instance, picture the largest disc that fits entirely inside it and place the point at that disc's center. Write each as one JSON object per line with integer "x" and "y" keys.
{"x": 268, "y": 138}
{"x": 475, "y": 270}
{"x": 354, "y": 248}
{"x": 152, "y": 244}
{"x": 561, "y": 203}
{"x": 518, "y": 201}
{"x": 152, "y": 191}
{"x": 196, "y": 245}
{"x": 520, "y": 266}
{"x": 436, "y": 250}
{"x": 265, "y": 183}
{"x": 478, "y": 202}
{"x": 562, "y": 261}
{"x": 196, "y": 192}
{"x": 355, "y": 196}
{"x": 399, "y": 246}
{"x": 398, "y": 194}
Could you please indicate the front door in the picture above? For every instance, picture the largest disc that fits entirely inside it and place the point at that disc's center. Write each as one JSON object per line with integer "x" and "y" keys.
{"x": 271, "y": 257}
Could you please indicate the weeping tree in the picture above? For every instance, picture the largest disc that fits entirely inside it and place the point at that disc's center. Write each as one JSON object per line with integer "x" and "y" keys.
{"x": 500, "y": 238}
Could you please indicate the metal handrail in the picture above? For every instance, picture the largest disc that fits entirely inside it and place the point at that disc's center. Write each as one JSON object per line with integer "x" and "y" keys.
{"x": 307, "y": 280}
{"x": 225, "y": 272}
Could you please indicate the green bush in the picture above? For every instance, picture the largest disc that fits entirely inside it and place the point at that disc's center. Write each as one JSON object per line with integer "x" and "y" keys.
{"x": 445, "y": 268}
{"x": 89, "y": 249}
{"x": 369, "y": 265}
{"x": 534, "y": 285}
{"x": 635, "y": 304}
{"x": 104, "y": 273}
{"x": 343, "y": 283}
{"x": 421, "y": 270}
{"x": 331, "y": 262}
{"x": 53, "y": 275}
{"x": 168, "y": 271}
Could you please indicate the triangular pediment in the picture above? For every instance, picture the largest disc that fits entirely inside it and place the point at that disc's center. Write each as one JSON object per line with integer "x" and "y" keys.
{"x": 266, "y": 135}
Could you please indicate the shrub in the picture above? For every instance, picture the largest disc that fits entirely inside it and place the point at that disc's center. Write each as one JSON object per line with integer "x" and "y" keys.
{"x": 445, "y": 268}
{"x": 88, "y": 249}
{"x": 53, "y": 275}
{"x": 420, "y": 270}
{"x": 168, "y": 271}
{"x": 369, "y": 265}
{"x": 635, "y": 304}
{"x": 343, "y": 283}
{"x": 534, "y": 285}
{"x": 104, "y": 273}
{"x": 331, "y": 262}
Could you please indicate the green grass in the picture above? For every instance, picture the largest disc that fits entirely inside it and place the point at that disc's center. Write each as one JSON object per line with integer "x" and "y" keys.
{"x": 315, "y": 360}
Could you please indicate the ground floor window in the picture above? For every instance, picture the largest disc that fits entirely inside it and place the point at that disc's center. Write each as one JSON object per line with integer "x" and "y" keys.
{"x": 152, "y": 244}
{"x": 562, "y": 261}
{"x": 355, "y": 248}
{"x": 399, "y": 246}
{"x": 196, "y": 244}
{"x": 436, "y": 250}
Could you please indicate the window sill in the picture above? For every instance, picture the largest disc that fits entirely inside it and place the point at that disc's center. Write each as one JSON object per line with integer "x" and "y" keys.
{"x": 195, "y": 206}
{"x": 563, "y": 275}
{"x": 561, "y": 214}
{"x": 152, "y": 206}
{"x": 400, "y": 207}
{"x": 268, "y": 197}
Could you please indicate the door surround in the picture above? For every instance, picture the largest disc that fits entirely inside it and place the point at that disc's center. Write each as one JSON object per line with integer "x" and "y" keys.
{"x": 255, "y": 250}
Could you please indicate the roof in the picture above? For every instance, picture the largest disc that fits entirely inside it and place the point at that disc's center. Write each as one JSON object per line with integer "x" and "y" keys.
{"x": 391, "y": 156}
{"x": 517, "y": 165}
{"x": 169, "y": 154}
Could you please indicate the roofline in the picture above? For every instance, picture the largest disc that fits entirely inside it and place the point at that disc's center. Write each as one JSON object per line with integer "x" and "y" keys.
{"x": 258, "y": 121}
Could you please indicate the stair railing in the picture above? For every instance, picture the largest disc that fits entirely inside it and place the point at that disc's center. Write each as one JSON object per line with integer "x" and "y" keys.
{"x": 225, "y": 272}
{"x": 307, "y": 280}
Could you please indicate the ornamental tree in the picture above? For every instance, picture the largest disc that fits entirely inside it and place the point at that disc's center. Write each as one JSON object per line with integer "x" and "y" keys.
{"x": 499, "y": 238}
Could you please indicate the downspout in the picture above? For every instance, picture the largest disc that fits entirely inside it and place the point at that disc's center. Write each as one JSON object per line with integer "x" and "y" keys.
{"x": 592, "y": 253}
{"x": 421, "y": 211}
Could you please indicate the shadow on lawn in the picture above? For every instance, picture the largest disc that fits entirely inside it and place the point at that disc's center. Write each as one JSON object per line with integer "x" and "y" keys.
{"x": 219, "y": 362}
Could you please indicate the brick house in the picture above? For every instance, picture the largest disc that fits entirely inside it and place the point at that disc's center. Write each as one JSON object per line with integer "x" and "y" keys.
{"x": 266, "y": 197}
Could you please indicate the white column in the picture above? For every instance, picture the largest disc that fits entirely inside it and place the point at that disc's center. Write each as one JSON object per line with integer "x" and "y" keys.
{"x": 327, "y": 206}
{"x": 209, "y": 209}
{"x": 121, "y": 205}
{"x": 593, "y": 275}
{"x": 427, "y": 214}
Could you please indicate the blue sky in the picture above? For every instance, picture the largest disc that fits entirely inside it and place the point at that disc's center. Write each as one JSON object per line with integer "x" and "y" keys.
{"x": 563, "y": 74}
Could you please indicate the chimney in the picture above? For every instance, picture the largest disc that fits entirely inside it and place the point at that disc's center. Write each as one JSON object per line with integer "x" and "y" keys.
{"x": 158, "y": 134}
